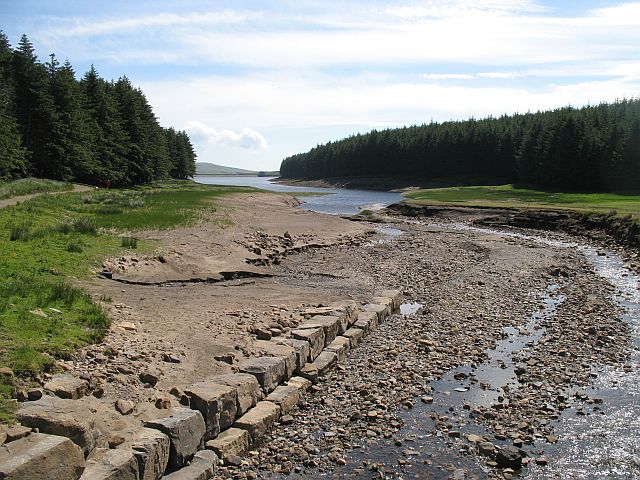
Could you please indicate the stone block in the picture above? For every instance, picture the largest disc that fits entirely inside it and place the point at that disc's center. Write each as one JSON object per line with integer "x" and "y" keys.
{"x": 247, "y": 387}
{"x": 259, "y": 419}
{"x": 217, "y": 403}
{"x": 202, "y": 467}
{"x": 394, "y": 295}
{"x": 310, "y": 373}
{"x": 300, "y": 347}
{"x": 379, "y": 310}
{"x": 302, "y": 384}
{"x": 185, "y": 429}
{"x": 367, "y": 321}
{"x": 325, "y": 362}
{"x": 274, "y": 349}
{"x": 67, "y": 418}
{"x": 356, "y": 335}
{"x": 286, "y": 397}
{"x": 269, "y": 371}
{"x": 41, "y": 457}
{"x": 386, "y": 301}
{"x": 64, "y": 385}
{"x": 117, "y": 464}
{"x": 234, "y": 441}
{"x": 313, "y": 336}
{"x": 328, "y": 323}
{"x": 151, "y": 449}
{"x": 340, "y": 346}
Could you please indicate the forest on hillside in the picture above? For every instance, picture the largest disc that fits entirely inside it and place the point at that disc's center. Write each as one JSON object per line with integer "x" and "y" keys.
{"x": 594, "y": 148}
{"x": 90, "y": 130}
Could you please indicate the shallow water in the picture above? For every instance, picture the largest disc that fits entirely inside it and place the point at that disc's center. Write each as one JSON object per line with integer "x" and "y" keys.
{"x": 335, "y": 201}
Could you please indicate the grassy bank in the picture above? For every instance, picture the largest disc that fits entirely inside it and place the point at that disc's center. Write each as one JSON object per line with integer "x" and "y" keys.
{"x": 510, "y": 196}
{"x": 27, "y": 186}
{"x": 49, "y": 241}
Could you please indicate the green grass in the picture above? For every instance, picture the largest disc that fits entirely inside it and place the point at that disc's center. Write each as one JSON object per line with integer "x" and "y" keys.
{"x": 49, "y": 241}
{"x": 511, "y": 196}
{"x": 27, "y": 186}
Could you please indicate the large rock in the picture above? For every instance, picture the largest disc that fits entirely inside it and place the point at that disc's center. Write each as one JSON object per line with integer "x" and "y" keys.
{"x": 259, "y": 419}
{"x": 118, "y": 464}
{"x": 355, "y": 336}
{"x": 217, "y": 403}
{"x": 310, "y": 373}
{"x": 286, "y": 397}
{"x": 151, "y": 449}
{"x": 387, "y": 302}
{"x": 202, "y": 467}
{"x": 41, "y": 457}
{"x": 325, "y": 362}
{"x": 329, "y": 324}
{"x": 394, "y": 295}
{"x": 302, "y": 384}
{"x": 381, "y": 311}
{"x": 273, "y": 349}
{"x": 269, "y": 371}
{"x": 313, "y": 336}
{"x": 234, "y": 441}
{"x": 301, "y": 348}
{"x": 510, "y": 457}
{"x": 247, "y": 388}
{"x": 64, "y": 385}
{"x": 185, "y": 429}
{"x": 67, "y": 418}
{"x": 340, "y": 346}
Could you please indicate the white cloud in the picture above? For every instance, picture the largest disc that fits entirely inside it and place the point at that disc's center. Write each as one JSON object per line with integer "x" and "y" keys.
{"x": 447, "y": 76}
{"x": 248, "y": 138}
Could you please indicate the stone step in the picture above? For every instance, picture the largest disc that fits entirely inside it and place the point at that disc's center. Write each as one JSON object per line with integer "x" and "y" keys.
{"x": 151, "y": 449}
{"x": 202, "y": 467}
{"x": 301, "y": 348}
{"x": 325, "y": 362}
{"x": 105, "y": 464}
{"x": 286, "y": 397}
{"x": 259, "y": 419}
{"x": 247, "y": 389}
{"x": 64, "y": 385}
{"x": 274, "y": 349}
{"x": 185, "y": 429}
{"x": 329, "y": 324}
{"x": 340, "y": 346}
{"x": 217, "y": 403}
{"x": 269, "y": 371}
{"x": 41, "y": 457}
{"x": 394, "y": 295}
{"x": 315, "y": 338}
{"x": 234, "y": 441}
{"x": 367, "y": 321}
{"x": 381, "y": 311}
{"x": 355, "y": 335}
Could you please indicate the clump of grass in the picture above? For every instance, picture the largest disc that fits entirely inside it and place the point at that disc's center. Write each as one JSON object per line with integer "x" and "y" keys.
{"x": 84, "y": 225}
{"x": 26, "y": 186}
{"x": 19, "y": 231}
{"x": 129, "y": 242}
{"x": 75, "y": 246}
{"x": 366, "y": 213}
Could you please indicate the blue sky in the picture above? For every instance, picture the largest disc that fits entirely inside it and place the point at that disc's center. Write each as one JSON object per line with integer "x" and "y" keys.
{"x": 255, "y": 81}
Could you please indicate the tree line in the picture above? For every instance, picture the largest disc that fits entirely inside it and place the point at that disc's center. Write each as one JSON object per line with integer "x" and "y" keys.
{"x": 89, "y": 130}
{"x": 594, "y": 148}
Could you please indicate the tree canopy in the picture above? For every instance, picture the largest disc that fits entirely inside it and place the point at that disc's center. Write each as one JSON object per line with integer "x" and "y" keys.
{"x": 594, "y": 148}
{"x": 89, "y": 130}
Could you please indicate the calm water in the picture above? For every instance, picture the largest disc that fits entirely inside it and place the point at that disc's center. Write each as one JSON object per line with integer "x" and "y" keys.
{"x": 336, "y": 201}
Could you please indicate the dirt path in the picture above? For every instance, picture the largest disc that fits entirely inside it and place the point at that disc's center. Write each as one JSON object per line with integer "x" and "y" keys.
{"x": 21, "y": 198}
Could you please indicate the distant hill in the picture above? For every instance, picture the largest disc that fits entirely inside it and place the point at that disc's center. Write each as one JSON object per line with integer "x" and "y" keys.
{"x": 203, "y": 168}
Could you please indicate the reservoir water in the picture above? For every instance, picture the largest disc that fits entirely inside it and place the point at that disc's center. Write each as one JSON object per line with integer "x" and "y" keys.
{"x": 335, "y": 201}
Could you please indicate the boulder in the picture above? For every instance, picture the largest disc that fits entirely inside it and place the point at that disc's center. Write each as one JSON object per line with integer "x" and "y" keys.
{"x": 355, "y": 336}
{"x": 340, "y": 346}
{"x": 302, "y": 384}
{"x": 273, "y": 349}
{"x": 217, "y": 403}
{"x": 367, "y": 321}
{"x": 301, "y": 348}
{"x": 64, "y": 385}
{"x": 259, "y": 419}
{"x": 247, "y": 389}
{"x": 510, "y": 457}
{"x": 310, "y": 373}
{"x": 151, "y": 449}
{"x": 394, "y": 295}
{"x": 41, "y": 457}
{"x": 66, "y": 418}
{"x": 234, "y": 441}
{"x": 202, "y": 467}
{"x": 185, "y": 429}
{"x": 381, "y": 311}
{"x": 269, "y": 371}
{"x": 315, "y": 338}
{"x": 117, "y": 464}
{"x": 286, "y": 397}
{"x": 325, "y": 362}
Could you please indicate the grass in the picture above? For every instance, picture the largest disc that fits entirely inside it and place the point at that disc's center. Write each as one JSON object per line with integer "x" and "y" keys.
{"x": 512, "y": 196}
{"x": 26, "y": 186}
{"x": 49, "y": 241}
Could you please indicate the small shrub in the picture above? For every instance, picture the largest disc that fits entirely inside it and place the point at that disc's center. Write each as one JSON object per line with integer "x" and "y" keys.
{"x": 75, "y": 247}
{"x": 64, "y": 292}
{"x": 130, "y": 242}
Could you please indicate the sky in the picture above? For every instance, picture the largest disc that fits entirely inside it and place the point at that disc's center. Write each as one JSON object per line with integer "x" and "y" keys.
{"x": 255, "y": 81}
